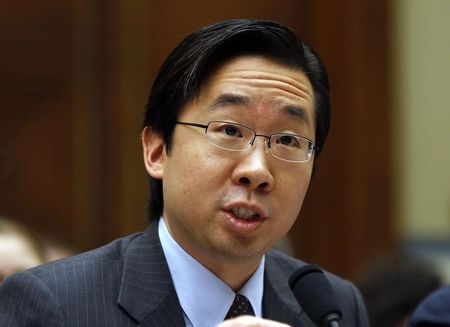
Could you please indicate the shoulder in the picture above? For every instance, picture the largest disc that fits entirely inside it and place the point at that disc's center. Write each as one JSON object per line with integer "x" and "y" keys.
{"x": 348, "y": 296}
{"x": 87, "y": 264}
{"x": 47, "y": 295}
{"x": 287, "y": 265}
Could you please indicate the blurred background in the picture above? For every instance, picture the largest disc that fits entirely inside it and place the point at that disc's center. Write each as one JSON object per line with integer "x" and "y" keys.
{"x": 75, "y": 75}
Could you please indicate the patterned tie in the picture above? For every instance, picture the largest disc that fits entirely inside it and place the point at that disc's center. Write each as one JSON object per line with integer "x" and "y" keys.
{"x": 241, "y": 306}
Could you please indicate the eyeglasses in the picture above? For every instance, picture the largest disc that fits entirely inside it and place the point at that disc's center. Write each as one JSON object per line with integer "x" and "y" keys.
{"x": 236, "y": 137}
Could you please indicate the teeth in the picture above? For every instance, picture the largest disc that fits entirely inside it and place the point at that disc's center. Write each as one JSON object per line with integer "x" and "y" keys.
{"x": 243, "y": 213}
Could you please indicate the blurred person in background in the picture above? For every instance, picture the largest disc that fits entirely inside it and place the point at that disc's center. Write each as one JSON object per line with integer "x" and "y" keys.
{"x": 20, "y": 249}
{"x": 433, "y": 311}
{"x": 394, "y": 286}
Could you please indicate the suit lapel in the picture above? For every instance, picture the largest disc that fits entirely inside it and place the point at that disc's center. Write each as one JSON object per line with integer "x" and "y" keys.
{"x": 147, "y": 293}
{"x": 279, "y": 302}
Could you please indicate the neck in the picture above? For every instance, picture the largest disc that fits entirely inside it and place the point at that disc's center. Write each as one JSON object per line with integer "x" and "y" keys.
{"x": 235, "y": 275}
{"x": 233, "y": 269}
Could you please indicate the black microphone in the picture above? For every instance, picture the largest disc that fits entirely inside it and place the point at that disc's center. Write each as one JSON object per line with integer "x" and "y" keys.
{"x": 314, "y": 294}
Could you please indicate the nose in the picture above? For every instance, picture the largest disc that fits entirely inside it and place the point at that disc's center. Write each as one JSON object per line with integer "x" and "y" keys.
{"x": 253, "y": 170}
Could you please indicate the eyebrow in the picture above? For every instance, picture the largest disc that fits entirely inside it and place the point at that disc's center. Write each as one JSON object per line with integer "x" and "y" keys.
{"x": 228, "y": 99}
{"x": 297, "y": 112}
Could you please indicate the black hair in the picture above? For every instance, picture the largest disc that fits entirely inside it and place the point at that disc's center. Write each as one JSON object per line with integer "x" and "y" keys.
{"x": 201, "y": 53}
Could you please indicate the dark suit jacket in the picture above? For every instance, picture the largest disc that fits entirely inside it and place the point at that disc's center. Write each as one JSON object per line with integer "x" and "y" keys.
{"x": 127, "y": 283}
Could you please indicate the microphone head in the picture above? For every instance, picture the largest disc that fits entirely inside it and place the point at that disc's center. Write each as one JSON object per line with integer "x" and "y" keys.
{"x": 314, "y": 294}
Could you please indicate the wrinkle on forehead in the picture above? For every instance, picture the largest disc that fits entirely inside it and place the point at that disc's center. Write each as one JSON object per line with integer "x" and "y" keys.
{"x": 226, "y": 99}
{"x": 270, "y": 80}
{"x": 259, "y": 83}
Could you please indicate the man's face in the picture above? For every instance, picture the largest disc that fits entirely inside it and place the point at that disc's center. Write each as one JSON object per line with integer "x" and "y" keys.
{"x": 208, "y": 190}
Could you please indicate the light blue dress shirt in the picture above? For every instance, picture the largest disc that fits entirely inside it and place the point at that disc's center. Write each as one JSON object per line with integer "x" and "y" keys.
{"x": 205, "y": 298}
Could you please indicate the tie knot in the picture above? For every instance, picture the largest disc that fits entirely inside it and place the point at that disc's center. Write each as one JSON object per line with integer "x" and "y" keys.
{"x": 241, "y": 306}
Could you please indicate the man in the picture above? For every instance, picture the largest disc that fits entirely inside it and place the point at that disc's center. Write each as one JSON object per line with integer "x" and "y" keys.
{"x": 235, "y": 119}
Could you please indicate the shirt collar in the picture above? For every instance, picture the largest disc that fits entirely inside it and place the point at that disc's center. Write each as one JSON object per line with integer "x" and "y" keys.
{"x": 204, "y": 297}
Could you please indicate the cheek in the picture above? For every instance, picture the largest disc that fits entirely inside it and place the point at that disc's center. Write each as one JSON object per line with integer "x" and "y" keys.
{"x": 194, "y": 172}
{"x": 294, "y": 191}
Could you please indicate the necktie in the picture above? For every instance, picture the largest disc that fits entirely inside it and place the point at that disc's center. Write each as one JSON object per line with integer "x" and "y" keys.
{"x": 241, "y": 306}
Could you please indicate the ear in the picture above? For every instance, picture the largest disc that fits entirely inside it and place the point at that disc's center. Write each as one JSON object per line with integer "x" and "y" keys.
{"x": 154, "y": 153}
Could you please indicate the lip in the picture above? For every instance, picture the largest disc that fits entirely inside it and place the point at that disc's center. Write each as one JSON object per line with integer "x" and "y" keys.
{"x": 243, "y": 225}
{"x": 262, "y": 213}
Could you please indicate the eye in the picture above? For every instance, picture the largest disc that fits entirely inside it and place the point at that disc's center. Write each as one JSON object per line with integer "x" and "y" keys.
{"x": 288, "y": 140}
{"x": 231, "y": 130}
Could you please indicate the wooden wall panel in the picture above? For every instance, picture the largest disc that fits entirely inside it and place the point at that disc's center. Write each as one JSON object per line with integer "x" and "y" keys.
{"x": 347, "y": 219}
{"x": 35, "y": 124}
{"x": 88, "y": 119}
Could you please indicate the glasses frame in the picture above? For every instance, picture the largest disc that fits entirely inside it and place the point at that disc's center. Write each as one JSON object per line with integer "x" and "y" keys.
{"x": 313, "y": 148}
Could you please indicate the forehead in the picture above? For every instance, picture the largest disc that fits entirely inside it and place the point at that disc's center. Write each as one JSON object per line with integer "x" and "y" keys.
{"x": 261, "y": 84}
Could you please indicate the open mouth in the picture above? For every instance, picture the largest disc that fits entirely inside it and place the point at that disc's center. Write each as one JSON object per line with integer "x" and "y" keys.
{"x": 246, "y": 214}
{"x": 244, "y": 219}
